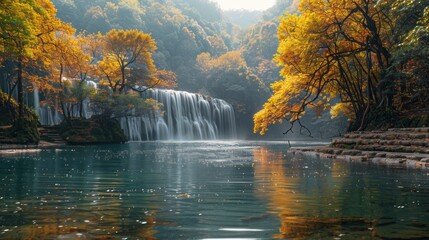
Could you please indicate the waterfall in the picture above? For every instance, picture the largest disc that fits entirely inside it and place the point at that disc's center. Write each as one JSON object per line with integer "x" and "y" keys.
{"x": 45, "y": 113}
{"x": 187, "y": 116}
{"x": 51, "y": 116}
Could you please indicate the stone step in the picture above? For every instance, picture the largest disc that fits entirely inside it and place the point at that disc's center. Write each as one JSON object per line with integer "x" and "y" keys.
{"x": 388, "y": 135}
{"x": 424, "y": 157}
{"x": 386, "y": 148}
{"x": 418, "y": 130}
{"x": 51, "y": 134}
{"x": 393, "y": 148}
{"x": 52, "y": 137}
{"x": 360, "y": 141}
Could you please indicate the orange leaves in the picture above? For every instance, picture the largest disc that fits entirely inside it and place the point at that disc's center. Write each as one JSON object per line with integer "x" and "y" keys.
{"x": 164, "y": 79}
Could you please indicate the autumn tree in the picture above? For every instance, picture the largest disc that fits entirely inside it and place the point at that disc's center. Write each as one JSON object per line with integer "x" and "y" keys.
{"x": 127, "y": 53}
{"x": 19, "y": 25}
{"x": 85, "y": 58}
{"x": 26, "y": 28}
{"x": 332, "y": 49}
{"x": 67, "y": 67}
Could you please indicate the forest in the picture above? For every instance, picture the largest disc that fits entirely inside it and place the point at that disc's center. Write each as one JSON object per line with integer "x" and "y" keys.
{"x": 307, "y": 63}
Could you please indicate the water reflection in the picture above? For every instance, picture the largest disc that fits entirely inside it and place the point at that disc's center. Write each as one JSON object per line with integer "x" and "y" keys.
{"x": 206, "y": 190}
{"x": 340, "y": 200}
{"x": 67, "y": 194}
{"x": 273, "y": 182}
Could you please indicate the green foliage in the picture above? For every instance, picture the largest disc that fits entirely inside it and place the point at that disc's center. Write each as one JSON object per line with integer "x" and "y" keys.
{"x": 259, "y": 43}
{"x": 407, "y": 78}
{"x": 228, "y": 77}
{"x": 181, "y": 28}
{"x": 9, "y": 112}
{"x": 122, "y": 105}
{"x": 5, "y": 113}
{"x": 82, "y": 91}
{"x": 23, "y": 130}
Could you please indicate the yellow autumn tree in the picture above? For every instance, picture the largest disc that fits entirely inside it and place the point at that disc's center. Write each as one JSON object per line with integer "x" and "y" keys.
{"x": 67, "y": 66}
{"x": 109, "y": 72}
{"x": 130, "y": 53}
{"x": 26, "y": 27}
{"x": 331, "y": 49}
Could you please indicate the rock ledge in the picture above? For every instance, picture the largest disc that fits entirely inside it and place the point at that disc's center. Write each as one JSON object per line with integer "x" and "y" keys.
{"x": 398, "y": 147}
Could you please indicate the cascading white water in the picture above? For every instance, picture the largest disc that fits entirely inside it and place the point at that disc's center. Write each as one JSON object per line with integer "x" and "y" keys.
{"x": 50, "y": 116}
{"x": 187, "y": 116}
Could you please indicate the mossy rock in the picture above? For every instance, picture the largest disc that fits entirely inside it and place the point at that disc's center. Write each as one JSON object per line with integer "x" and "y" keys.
{"x": 92, "y": 131}
{"x": 7, "y": 112}
{"x": 413, "y": 121}
{"x": 23, "y": 131}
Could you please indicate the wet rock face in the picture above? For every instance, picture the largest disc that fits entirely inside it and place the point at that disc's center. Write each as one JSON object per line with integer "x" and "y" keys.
{"x": 400, "y": 147}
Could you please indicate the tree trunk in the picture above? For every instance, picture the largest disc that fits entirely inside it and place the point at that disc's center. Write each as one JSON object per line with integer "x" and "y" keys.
{"x": 121, "y": 89}
{"x": 20, "y": 89}
{"x": 368, "y": 88}
{"x": 9, "y": 101}
{"x": 81, "y": 109}
{"x": 65, "y": 111}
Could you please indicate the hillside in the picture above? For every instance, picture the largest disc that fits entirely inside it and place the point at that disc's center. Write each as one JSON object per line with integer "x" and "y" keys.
{"x": 197, "y": 41}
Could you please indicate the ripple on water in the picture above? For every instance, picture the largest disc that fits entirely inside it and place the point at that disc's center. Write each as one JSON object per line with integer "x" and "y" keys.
{"x": 206, "y": 190}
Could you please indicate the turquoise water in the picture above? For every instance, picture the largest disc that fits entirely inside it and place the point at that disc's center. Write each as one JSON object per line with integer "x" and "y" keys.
{"x": 206, "y": 190}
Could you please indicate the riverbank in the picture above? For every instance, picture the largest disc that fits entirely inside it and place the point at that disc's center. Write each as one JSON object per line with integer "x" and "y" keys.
{"x": 8, "y": 149}
{"x": 396, "y": 147}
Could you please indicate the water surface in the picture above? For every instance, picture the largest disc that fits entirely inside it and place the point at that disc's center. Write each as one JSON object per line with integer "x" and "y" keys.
{"x": 206, "y": 190}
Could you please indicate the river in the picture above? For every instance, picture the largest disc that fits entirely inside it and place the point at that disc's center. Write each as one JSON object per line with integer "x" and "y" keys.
{"x": 206, "y": 190}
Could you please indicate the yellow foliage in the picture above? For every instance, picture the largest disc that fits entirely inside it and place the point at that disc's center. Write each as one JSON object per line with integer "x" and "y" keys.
{"x": 163, "y": 79}
{"x": 130, "y": 50}
{"x": 232, "y": 60}
{"x": 322, "y": 54}
{"x": 342, "y": 109}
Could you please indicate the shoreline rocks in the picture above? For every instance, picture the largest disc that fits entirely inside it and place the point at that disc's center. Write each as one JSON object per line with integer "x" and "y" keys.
{"x": 399, "y": 147}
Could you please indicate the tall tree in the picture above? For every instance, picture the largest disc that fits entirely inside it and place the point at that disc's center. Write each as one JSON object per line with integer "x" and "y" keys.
{"x": 67, "y": 66}
{"x": 26, "y": 27}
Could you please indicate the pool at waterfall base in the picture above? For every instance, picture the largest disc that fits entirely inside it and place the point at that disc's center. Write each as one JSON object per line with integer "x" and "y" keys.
{"x": 206, "y": 190}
